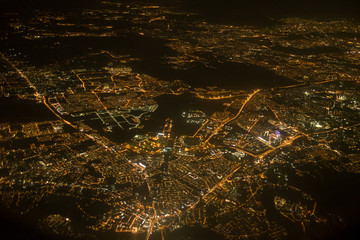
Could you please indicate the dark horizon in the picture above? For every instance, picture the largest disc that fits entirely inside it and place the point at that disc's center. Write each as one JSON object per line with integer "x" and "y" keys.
{"x": 217, "y": 9}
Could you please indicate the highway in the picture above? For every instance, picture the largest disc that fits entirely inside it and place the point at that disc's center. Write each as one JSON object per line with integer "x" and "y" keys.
{"x": 21, "y": 74}
{"x": 285, "y": 143}
{"x": 202, "y": 126}
{"x": 233, "y": 118}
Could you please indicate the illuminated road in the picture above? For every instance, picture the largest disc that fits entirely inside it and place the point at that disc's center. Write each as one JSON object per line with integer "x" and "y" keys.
{"x": 235, "y": 117}
{"x": 254, "y": 124}
{"x": 141, "y": 81}
{"x": 112, "y": 78}
{"x": 106, "y": 109}
{"x": 21, "y": 74}
{"x": 215, "y": 97}
{"x": 276, "y": 116}
{"x": 202, "y": 126}
{"x": 285, "y": 143}
{"x": 56, "y": 114}
{"x": 335, "y": 129}
{"x": 240, "y": 149}
{"x": 223, "y": 180}
{"x": 83, "y": 83}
